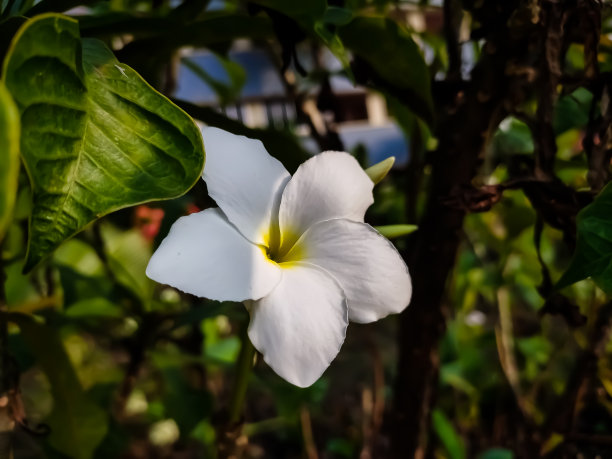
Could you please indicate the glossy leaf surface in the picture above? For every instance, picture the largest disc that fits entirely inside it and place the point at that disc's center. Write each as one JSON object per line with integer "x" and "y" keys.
{"x": 593, "y": 255}
{"x": 9, "y": 157}
{"x": 95, "y": 136}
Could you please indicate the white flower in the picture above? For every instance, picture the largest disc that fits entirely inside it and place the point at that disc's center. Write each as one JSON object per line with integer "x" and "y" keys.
{"x": 297, "y": 246}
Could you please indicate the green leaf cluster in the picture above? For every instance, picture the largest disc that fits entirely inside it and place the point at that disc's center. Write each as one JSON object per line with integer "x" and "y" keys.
{"x": 95, "y": 137}
{"x": 593, "y": 256}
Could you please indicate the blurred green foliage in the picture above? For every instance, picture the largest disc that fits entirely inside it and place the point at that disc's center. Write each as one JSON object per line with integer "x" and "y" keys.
{"x": 110, "y": 364}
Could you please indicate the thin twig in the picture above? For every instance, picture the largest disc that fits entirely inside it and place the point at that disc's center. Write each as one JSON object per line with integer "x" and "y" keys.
{"x": 452, "y": 22}
{"x": 307, "y": 435}
{"x": 505, "y": 346}
{"x": 7, "y": 423}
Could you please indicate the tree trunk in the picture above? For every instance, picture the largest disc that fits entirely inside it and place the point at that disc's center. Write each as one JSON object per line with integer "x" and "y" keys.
{"x": 464, "y": 125}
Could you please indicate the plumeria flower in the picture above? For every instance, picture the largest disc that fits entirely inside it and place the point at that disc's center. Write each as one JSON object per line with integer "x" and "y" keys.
{"x": 294, "y": 249}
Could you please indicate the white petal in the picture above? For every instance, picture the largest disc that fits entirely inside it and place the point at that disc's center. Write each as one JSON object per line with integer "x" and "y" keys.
{"x": 329, "y": 185}
{"x": 206, "y": 256}
{"x": 244, "y": 180}
{"x": 369, "y": 268}
{"x": 300, "y": 326}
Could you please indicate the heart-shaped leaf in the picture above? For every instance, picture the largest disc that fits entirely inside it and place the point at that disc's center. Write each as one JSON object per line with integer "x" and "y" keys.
{"x": 9, "y": 157}
{"x": 593, "y": 255}
{"x": 95, "y": 137}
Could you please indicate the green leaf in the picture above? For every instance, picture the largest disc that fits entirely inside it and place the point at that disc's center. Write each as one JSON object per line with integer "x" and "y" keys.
{"x": 331, "y": 39}
{"x": 593, "y": 255}
{"x": 315, "y": 17}
{"x": 394, "y": 231}
{"x": 497, "y": 453}
{"x": 227, "y": 92}
{"x": 311, "y": 9}
{"x": 337, "y": 16}
{"x": 389, "y": 60}
{"x": 379, "y": 171}
{"x": 95, "y": 308}
{"x": 164, "y": 35}
{"x": 128, "y": 254}
{"x": 184, "y": 403}
{"x": 512, "y": 138}
{"x": 95, "y": 136}
{"x": 9, "y": 158}
{"x": 77, "y": 424}
{"x": 572, "y": 111}
{"x": 12, "y": 8}
{"x": 453, "y": 443}
{"x": 50, "y": 6}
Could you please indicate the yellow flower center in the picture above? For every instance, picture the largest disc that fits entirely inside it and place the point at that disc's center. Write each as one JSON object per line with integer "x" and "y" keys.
{"x": 282, "y": 254}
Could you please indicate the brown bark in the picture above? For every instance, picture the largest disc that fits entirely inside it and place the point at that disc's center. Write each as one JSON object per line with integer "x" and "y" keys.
{"x": 523, "y": 57}
{"x": 422, "y": 324}
{"x": 462, "y": 132}
{"x": 552, "y": 18}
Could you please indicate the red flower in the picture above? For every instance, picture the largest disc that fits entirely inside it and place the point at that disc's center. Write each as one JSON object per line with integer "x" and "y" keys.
{"x": 148, "y": 221}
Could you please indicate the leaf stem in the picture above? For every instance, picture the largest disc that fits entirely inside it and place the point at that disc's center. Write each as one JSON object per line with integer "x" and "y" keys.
{"x": 4, "y": 379}
{"x": 6, "y": 421}
{"x": 243, "y": 371}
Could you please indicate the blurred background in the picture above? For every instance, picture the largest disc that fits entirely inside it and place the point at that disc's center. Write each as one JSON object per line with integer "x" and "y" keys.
{"x": 498, "y": 116}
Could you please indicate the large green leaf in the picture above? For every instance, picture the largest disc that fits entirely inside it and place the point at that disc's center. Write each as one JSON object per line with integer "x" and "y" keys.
{"x": 95, "y": 136}
{"x": 9, "y": 157}
{"x": 593, "y": 256}
{"x": 77, "y": 424}
{"x": 389, "y": 60}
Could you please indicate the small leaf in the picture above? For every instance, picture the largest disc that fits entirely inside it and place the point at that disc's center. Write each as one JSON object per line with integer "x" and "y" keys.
{"x": 96, "y": 308}
{"x": 452, "y": 441}
{"x": 227, "y": 92}
{"x": 379, "y": 171}
{"x": 332, "y": 41}
{"x": 9, "y": 158}
{"x": 549, "y": 445}
{"x": 128, "y": 254}
{"x": 95, "y": 136}
{"x": 497, "y": 453}
{"x": 389, "y": 60}
{"x": 593, "y": 255}
{"x": 77, "y": 424}
{"x": 315, "y": 17}
{"x": 337, "y": 16}
{"x": 394, "y": 231}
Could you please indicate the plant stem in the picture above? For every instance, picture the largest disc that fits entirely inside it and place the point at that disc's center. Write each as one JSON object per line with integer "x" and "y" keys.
{"x": 4, "y": 379}
{"x": 243, "y": 371}
{"x": 6, "y": 421}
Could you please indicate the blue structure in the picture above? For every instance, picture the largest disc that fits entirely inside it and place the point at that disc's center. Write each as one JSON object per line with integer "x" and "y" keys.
{"x": 263, "y": 88}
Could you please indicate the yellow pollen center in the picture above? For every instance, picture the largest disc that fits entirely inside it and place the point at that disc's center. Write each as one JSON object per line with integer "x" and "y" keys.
{"x": 280, "y": 252}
